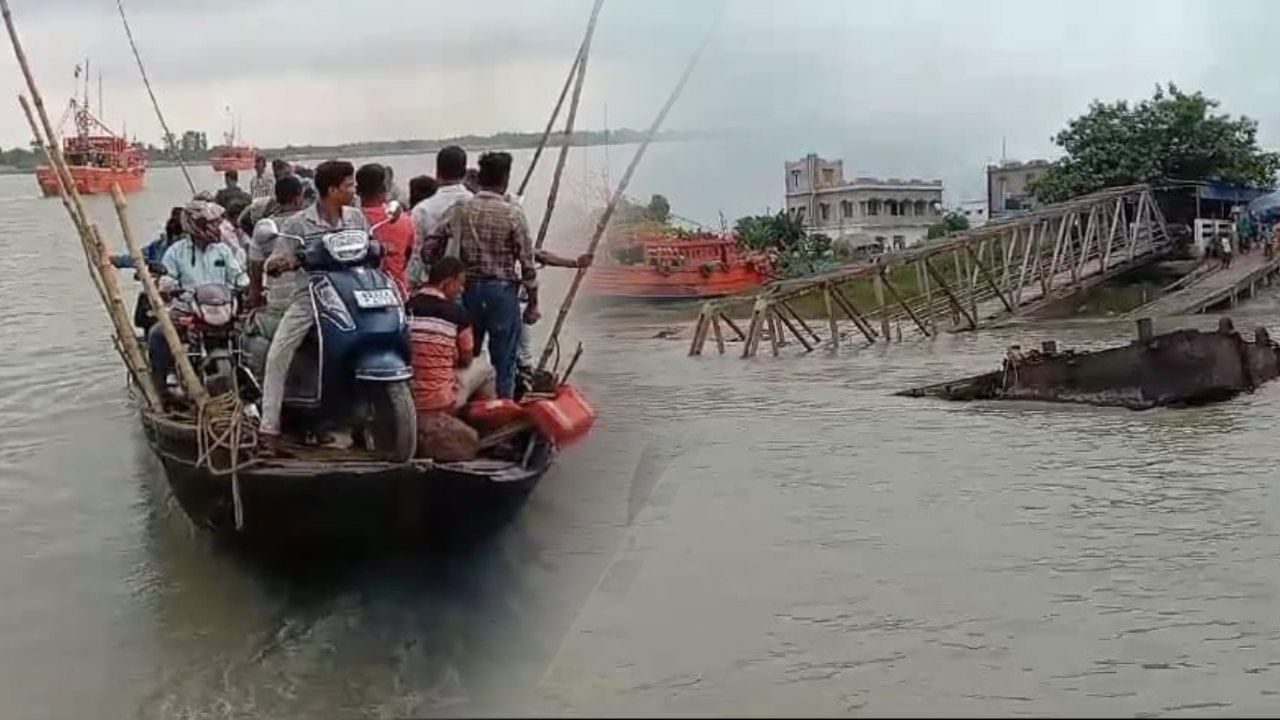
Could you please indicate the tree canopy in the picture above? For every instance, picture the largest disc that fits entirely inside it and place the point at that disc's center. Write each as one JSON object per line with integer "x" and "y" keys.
{"x": 951, "y": 222}
{"x": 1171, "y": 136}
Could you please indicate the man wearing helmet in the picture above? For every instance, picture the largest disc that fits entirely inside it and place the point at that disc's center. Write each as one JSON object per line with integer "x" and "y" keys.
{"x": 200, "y": 257}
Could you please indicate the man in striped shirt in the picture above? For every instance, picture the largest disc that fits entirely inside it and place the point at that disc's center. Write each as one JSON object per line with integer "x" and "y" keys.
{"x": 446, "y": 372}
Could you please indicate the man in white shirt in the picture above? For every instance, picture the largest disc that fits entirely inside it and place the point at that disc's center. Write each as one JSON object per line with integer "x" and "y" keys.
{"x": 451, "y": 167}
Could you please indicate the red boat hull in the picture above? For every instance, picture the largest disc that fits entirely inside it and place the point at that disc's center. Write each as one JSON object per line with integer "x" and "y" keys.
{"x": 92, "y": 180}
{"x": 223, "y": 164}
{"x": 646, "y": 282}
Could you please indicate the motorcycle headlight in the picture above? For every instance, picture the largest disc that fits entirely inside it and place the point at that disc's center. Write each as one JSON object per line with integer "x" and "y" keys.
{"x": 347, "y": 246}
{"x": 217, "y": 315}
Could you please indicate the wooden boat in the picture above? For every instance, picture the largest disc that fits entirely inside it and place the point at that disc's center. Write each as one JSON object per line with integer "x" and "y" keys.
{"x": 96, "y": 157}
{"x": 1179, "y": 368}
{"x": 325, "y": 495}
{"x": 669, "y": 268}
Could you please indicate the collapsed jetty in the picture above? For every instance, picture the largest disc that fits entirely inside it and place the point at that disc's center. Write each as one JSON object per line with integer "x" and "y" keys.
{"x": 1176, "y": 369}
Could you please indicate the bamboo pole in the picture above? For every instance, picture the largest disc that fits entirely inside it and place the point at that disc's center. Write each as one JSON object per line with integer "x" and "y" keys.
{"x": 603, "y": 224}
{"x": 732, "y": 325}
{"x": 771, "y": 316}
{"x": 792, "y": 311}
{"x": 135, "y": 361}
{"x": 168, "y": 136}
{"x": 186, "y": 374}
{"x": 715, "y": 326}
{"x": 832, "y": 322}
{"x": 583, "y": 55}
{"x": 564, "y": 93}
{"x": 877, "y": 284}
{"x": 132, "y": 356}
{"x": 849, "y": 309}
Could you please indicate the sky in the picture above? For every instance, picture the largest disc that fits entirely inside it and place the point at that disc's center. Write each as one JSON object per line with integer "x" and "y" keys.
{"x": 916, "y": 88}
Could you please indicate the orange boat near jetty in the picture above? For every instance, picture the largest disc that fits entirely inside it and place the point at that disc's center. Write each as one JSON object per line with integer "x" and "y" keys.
{"x": 96, "y": 157}
{"x": 666, "y": 267}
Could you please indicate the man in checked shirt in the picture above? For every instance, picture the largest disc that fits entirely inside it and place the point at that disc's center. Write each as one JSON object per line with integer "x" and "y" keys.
{"x": 491, "y": 237}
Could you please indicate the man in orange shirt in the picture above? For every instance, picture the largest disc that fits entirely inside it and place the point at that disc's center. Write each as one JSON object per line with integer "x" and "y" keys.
{"x": 446, "y": 373}
{"x": 396, "y": 238}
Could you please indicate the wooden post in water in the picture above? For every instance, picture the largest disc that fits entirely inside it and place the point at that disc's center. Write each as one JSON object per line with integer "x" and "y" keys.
{"x": 186, "y": 374}
{"x": 715, "y": 326}
{"x": 832, "y": 323}
{"x": 877, "y": 284}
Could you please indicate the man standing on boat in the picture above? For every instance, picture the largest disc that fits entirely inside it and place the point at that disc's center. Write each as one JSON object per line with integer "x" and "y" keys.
{"x": 274, "y": 292}
{"x": 262, "y": 185}
{"x": 396, "y": 238}
{"x": 199, "y": 258}
{"x": 451, "y": 167}
{"x": 232, "y": 198}
{"x": 492, "y": 239}
{"x": 336, "y": 188}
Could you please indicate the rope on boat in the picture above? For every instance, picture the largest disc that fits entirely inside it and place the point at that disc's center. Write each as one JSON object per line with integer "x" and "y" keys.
{"x": 220, "y": 426}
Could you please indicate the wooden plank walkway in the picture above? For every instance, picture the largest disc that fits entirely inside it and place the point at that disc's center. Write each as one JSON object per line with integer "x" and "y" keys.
{"x": 1246, "y": 274}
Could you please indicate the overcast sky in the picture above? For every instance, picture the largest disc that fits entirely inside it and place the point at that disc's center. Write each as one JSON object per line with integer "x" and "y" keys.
{"x": 905, "y": 88}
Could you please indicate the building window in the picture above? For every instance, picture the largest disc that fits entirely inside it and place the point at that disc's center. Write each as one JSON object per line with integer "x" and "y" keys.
{"x": 824, "y": 211}
{"x": 846, "y": 209}
{"x": 828, "y": 176}
{"x": 921, "y": 208}
{"x": 899, "y": 242}
{"x": 894, "y": 207}
{"x": 880, "y": 241}
{"x": 873, "y": 207}
{"x": 795, "y": 179}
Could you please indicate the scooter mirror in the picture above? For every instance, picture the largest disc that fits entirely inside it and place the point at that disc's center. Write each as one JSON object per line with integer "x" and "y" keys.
{"x": 394, "y": 211}
{"x": 265, "y": 231}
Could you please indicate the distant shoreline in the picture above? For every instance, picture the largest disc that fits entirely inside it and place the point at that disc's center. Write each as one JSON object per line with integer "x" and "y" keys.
{"x": 501, "y": 141}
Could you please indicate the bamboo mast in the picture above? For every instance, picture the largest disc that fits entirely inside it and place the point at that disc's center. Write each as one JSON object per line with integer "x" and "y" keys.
{"x": 551, "y": 121}
{"x": 583, "y": 54}
{"x": 91, "y": 245}
{"x": 603, "y": 224}
{"x": 122, "y": 336}
{"x": 186, "y": 373}
{"x": 168, "y": 136}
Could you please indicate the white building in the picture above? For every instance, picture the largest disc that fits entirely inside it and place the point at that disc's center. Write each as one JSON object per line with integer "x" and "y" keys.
{"x": 864, "y": 213}
{"x": 975, "y": 211}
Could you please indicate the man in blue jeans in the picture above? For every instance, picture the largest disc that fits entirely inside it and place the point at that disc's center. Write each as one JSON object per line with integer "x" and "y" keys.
{"x": 492, "y": 238}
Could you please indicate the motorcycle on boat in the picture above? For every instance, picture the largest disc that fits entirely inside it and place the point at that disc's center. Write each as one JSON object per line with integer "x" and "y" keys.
{"x": 353, "y": 370}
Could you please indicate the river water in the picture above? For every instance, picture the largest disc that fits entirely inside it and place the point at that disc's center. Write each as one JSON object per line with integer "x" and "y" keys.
{"x": 757, "y": 537}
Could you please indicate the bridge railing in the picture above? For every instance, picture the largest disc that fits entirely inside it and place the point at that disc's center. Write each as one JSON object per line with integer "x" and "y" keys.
{"x": 959, "y": 283}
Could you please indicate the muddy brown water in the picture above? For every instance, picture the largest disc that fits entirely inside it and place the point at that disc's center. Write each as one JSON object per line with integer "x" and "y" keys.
{"x": 775, "y": 536}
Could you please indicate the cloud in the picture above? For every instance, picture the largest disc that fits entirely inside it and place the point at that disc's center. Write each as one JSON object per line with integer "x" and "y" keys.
{"x": 915, "y": 87}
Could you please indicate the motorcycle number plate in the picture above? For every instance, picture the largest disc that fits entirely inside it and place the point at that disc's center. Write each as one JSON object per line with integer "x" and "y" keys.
{"x": 376, "y": 298}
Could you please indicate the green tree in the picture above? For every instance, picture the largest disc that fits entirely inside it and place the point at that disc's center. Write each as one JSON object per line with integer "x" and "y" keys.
{"x": 950, "y": 223}
{"x": 1172, "y": 136}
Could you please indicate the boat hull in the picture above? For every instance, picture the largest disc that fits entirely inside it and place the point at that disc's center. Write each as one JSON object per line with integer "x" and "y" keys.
{"x": 223, "y": 164}
{"x": 321, "y": 501}
{"x": 625, "y": 282}
{"x": 92, "y": 180}
{"x": 1178, "y": 369}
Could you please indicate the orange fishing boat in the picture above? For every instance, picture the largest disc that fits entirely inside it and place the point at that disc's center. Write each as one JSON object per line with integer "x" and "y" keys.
{"x": 666, "y": 267}
{"x": 233, "y": 153}
{"x": 96, "y": 157}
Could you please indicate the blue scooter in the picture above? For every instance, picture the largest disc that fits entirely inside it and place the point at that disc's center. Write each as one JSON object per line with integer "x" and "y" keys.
{"x": 353, "y": 370}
